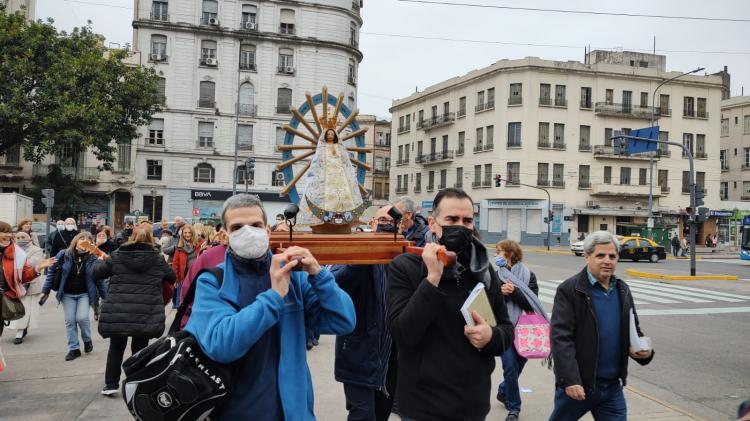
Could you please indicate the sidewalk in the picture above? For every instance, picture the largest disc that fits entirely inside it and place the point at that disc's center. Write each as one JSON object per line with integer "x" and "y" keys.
{"x": 39, "y": 385}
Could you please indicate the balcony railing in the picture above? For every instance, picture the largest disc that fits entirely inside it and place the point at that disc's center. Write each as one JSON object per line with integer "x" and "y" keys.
{"x": 489, "y": 105}
{"x": 558, "y": 183}
{"x": 559, "y": 145}
{"x": 746, "y": 166}
{"x": 626, "y": 190}
{"x": 437, "y": 121}
{"x": 381, "y": 171}
{"x": 478, "y": 148}
{"x": 404, "y": 129}
{"x": 584, "y": 184}
{"x": 284, "y": 109}
{"x": 461, "y": 113}
{"x": 544, "y": 144}
{"x": 430, "y": 188}
{"x": 287, "y": 30}
{"x": 701, "y": 114}
{"x": 608, "y": 152}
{"x": 561, "y": 102}
{"x": 542, "y": 182}
{"x": 206, "y": 103}
{"x": 78, "y": 173}
{"x": 545, "y": 101}
{"x": 460, "y": 151}
{"x": 164, "y": 17}
{"x": 663, "y": 153}
{"x": 435, "y": 157}
{"x": 483, "y": 183}
{"x": 724, "y": 166}
{"x": 688, "y": 113}
{"x": 489, "y": 146}
{"x": 401, "y": 162}
{"x": 515, "y": 100}
{"x": 248, "y": 109}
{"x": 441, "y": 186}
{"x": 586, "y": 104}
{"x": 285, "y": 70}
{"x": 417, "y": 189}
{"x": 584, "y": 147}
{"x": 402, "y": 190}
{"x": 701, "y": 155}
{"x": 664, "y": 189}
{"x": 458, "y": 185}
{"x": 250, "y": 67}
{"x": 625, "y": 110}
{"x": 514, "y": 145}
{"x": 664, "y": 111}
{"x": 245, "y": 146}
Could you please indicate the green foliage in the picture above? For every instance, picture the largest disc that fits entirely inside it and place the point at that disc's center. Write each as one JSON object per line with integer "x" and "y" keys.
{"x": 68, "y": 191}
{"x": 58, "y": 88}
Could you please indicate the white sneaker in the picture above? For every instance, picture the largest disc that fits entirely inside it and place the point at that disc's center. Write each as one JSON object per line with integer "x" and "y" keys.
{"x": 109, "y": 390}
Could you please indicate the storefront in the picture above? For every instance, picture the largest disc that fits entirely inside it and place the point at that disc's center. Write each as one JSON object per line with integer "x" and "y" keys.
{"x": 522, "y": 221}
{"x": 92, "y": 210}
{"x": 724, "y": 224}
{"x": 207, "y": 204}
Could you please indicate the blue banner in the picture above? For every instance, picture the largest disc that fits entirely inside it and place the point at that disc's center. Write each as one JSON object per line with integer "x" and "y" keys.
{"x": 640, "y": 146}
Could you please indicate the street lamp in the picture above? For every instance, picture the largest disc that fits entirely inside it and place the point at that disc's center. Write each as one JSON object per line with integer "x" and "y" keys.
{"x": 650, "y": 220}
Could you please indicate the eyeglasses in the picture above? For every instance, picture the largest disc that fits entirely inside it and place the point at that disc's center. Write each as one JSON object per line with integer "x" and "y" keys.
{"x": 383, "y": 220}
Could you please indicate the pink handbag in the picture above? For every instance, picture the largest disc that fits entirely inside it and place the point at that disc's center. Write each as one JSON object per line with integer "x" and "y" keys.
{"x": 532, "y": 336}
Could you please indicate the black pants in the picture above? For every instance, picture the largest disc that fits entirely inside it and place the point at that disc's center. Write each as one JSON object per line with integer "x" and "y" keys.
{"x": 366, "y": 404}
{"x": 116, "y": 351}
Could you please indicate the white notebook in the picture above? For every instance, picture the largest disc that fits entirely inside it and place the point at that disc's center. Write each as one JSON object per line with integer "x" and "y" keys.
{"x": 479, "y": 302}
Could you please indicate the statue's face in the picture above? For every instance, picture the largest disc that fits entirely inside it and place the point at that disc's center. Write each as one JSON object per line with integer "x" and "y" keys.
{"x": 330, "y": 136}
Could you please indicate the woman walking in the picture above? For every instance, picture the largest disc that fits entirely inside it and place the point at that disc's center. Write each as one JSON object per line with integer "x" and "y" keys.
{"x": 24, "y": 225}
{"x": 134, "y": 306}
{"x": 76, "y": 291}
{"x": 184, "y": 255}
{"x": 34, "y": 256}
{"x": 521, "y": 294}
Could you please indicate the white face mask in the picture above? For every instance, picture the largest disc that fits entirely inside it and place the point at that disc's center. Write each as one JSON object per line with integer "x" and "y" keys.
{"x": 249, "y": 242}
{"x": 70, "y": 227}
{"x": 60, "y": 227}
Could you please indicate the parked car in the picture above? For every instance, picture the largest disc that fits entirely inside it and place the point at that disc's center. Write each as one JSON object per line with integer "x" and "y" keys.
{"x": 577, "y": 248}
{"x": 639, "y": 248}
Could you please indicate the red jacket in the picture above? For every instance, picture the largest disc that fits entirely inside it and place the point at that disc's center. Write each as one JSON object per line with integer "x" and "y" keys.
{"x": 180, "y": 264}
{"x": 28, "y": 275}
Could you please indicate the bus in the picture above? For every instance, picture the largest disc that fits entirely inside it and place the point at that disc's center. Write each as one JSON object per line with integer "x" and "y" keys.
{"x": 745, "y": 238}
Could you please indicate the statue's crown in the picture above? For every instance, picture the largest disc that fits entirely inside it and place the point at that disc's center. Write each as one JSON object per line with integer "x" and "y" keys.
{"x": 329, "y": 122}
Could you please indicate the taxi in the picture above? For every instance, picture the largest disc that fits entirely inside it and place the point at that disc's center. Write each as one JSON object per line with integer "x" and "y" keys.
{"x": 640, "y": 248}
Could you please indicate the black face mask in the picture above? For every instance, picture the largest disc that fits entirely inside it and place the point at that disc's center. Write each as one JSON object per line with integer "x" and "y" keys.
{"x": 456, "y": 238}
{"x": 128, "y": 232}
{"x": 385, "y": 228}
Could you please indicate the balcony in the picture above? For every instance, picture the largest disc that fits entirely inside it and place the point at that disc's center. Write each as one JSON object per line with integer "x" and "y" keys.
{"x": 249, "y": 67}
{"x": 625, "y": 110}
{"x": 689, "y": 113}
{"x": 250, "y": 110}
{"x": 746, "y": 166}
{"x": 608, "y": 152}
{"x": 245, "y": 146}
{"x": 206, "y": 103}
{"x": 560, "y": 184}
{"x": 458, "y": 185}
{"x": 402, "y": 190}
{"x": 664, "y": 189}
{"x": 544, "y": 144}
{"x": 285, "y": 70}
{"x": 430, "y": 188}
{"x": 478, "y": 148}
{"x": 545, "y": 101}
{"x": 417, "y": 189}
{"x": 381, "y": 171}
{"x": 401, "y": 162}
{"x": 248, "y": 25}
{"x": 437, "y": 121}
{"x": 441, "y": 186}
{"x": 584, "y": 184}
{"x": 287, "y": 29}
{"x": 745, "y": 197}
{"x": 158, "y": 15}
{"x": 663, "y": 153}
{"x": 561, "y": 102}
{"x": 489, "y": 105}
{"x": 284, "y": 109}
{"x": 621, "y": 190}
{"x": 560, "y": 146}
{"x": 584, "y": 147}
{"x": 84, "y": 174}
{"x": 489, "y": 146}
{"x": 435, "y": 158}
{"x": 460, "y": 151}
{"x": 556, "y": 102}
{"x": 461, "y": 113}
{"x": 664, "y": 112}
{"x": 701, "y": 155}
{"x": 515, "y": 100}
{"x": 542, "y": 182}
{"x": 403, "y": 129}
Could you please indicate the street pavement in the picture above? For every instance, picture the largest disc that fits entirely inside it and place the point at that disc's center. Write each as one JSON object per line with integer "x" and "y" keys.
{"x": 699, "y": 330}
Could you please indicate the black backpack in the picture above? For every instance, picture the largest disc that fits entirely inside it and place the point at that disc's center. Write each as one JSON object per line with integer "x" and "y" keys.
{"x": 172, "y": 379}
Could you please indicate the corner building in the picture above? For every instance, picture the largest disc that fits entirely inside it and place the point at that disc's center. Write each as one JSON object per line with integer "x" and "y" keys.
{"x": 548, "y": 124}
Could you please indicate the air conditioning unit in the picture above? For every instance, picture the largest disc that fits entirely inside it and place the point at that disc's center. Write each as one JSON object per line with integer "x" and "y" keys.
{"x": 213, "y": 21}
{"x": 279, "y": 176}
{"x": 289, "y": 69}
{"x": 590, "y": 204}
{"x": 211, "y": 62}
{"x": 155, "y": 57}
{"x": 251, "y": 26}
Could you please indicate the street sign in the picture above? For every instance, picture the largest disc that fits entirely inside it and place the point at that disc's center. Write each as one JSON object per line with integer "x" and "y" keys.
{"x": 48, "y": 193}
{"x": 639, "y": 146}
{"x": 650, "y": 223}
{"x": 196, "y": 211}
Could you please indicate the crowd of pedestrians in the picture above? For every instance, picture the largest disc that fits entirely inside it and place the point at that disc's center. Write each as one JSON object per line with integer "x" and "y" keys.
{"x": 402, "y": 342}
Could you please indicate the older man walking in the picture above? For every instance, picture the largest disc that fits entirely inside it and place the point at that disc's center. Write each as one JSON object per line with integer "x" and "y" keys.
{"x": 590, "y": 336}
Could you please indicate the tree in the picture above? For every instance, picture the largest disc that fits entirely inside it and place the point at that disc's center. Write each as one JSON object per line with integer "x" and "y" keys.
{"x": 58, "y": 88}
{"x": 68, "y": 191}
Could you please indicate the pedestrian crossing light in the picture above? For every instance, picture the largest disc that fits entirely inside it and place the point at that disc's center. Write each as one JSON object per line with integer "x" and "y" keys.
{"x": 699, "y": 194}
{"x": 250, "y": 165}
{"x": 498, "y": 180}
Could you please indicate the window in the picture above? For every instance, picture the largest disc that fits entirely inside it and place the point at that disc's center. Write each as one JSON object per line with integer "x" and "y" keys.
{"x": 747, "y": 124}
{"x": 420, "y": 148}
{"x": 609, "y": 96}
{"x": 153, "y": 169}
{"x": 379, "y": 164}
{"x": 446, "y": 108}
{"x": 247, "y": 57}
{"x": 664, "y": 180}
{"x": 398, "y": 182}
{"x": 608, "y": 137}
{"x": 584, "y": 176}
{"x": 204, "y": 173}
{"x": 158, "y": 47}
{"x": 13, "y": 156}
{"x": 480, "y": 98}
{"x": 459, "y": 177}
{"x": 160, "y": 10}
{"x": 70, "y": 156}
{"x": 431, "y": 181}
{"x": 208, "y": 50}
{"x": 664, "y": 105}
{"x": 352, "y": 78}
{"x": 400, "y": 153}
{"x": 585, "y": 137}
{"x": 607, "y": 175}
{"x": 723, "y": 159}
{"x": 545, "y": 92}
{"x": 207, "y": 94}
{"x": 487, "y": 174}
{"x": 156, "y": 132}
{"x": 724, "y": 191}
{"x": 701, "y": 108}
{"x": 418, "y": 182}
{"x": 688, "y": 107}
{"x": 205, "y": 134}
{"x": 287, "y": 22}
{"x": 687, "y": 141}
{"x": 286, "y": 60}
{"x": 161, "y": 89}
{"x": 284, "y": 101}
{"x": 242, "y": 176}
{"x": 642, "y": 176}
{"x": 559, "y": 136}
{"x": 445, "y": 143}
{"x": 490, "y": 136}
{"x": 515, "y": 97}
{"x": 434, "y": 112}
{"x": 557, "y": 175}
{"x": 280, "y": 136}
{"x": 462, "y": 106}
{"x": 560, "y": 97}
{"x": 443, "y": 179}
{"x": 685, "y": 181}
{"x": 700, "y": 180}
{"x": 277, "y": 179}
{"x": 625, "y": 175}
{"x": 542, "y": 178}
{"x": 249, "y": 16}
{"x": 627, "y": 101}
{"x": 746, "y": 163}
{"x": 586, "y": 98}
{"x": 477, "y": 174}
{"x": 246, "y": 105}
{"x": 350, "y": 102}
{"x": 245, "y": 137}
{"x": 123, "y": 155}
{"x": 480, "y": 136}
{"x": 700, "y": 146}
{"x": 724, "y": 127}
{"x": 491, "y": 98}
{"x": 663, "y": 147}
{"x": 433, "y": 145}
{"x": 353, "y": 34}
{"x": 544, "y": 135}
{"x": 514, "y": 135}
{"x": 461, "y": 141}
{"x": 210, "y": 12}
{"x": 513, "y": 174}
{"x": 644, "y": 99}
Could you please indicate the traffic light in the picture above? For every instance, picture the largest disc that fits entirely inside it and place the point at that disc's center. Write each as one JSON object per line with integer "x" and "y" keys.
{"x": 49, "y": 197}
{"x": 250, "y": 165}
{"x": 498, "y": 180}
{"x": 702, "y": 215}
{"x": 699, "y": 194}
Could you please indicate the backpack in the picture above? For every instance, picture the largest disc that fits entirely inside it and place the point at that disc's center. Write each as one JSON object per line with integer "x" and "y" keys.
{"x": 172, "y": 379}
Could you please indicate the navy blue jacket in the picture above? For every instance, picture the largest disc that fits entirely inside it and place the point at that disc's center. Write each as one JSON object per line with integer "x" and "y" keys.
{"x": 362, "y": 356}
{"x": 65, "y": 263}
{"x": 418, "y": 231}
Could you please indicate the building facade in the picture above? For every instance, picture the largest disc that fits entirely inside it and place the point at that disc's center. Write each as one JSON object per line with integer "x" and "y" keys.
{"x": 378, "y": 137}
{"x": 232, "y": 71}
{"x": 735, "y": 149}
{"x": 27, "y": 7}
{"x": 547, "y": 125}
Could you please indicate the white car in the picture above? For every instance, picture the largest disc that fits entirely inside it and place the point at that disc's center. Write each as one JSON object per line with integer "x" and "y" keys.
{"x": 577, "y": 248}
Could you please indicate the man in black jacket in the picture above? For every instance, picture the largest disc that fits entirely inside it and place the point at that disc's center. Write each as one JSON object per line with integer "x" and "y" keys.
{"x": 590, "y": 340}
{"x": 445, "y": 365}
{"x": 413, "y": 226}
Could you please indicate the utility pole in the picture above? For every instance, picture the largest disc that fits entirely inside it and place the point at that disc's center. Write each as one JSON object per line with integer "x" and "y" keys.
{"x": 650, "y": 222}
{"x": 236, "y": 136}
{"x": 549, "y": 207}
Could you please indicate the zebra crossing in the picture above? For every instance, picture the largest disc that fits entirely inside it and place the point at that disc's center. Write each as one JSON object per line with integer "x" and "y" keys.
{"x": 669, "y": 299}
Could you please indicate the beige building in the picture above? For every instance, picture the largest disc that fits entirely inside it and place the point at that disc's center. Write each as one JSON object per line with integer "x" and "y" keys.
{"x": 547, "y": 124}
{"x": 735, "y": 149}
{"x": 27, "y": 7}
{"x": 378, "y": 137}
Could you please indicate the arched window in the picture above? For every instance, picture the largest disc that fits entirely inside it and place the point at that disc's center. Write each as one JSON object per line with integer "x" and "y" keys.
{"x": 204, "y": 173}
{"x": 249, "y": 16}
{"x": 287, "y": 22}
{"x": 247, "y": 99}
{"x": 247, "y": 57}
{"x": 158, "y": 47}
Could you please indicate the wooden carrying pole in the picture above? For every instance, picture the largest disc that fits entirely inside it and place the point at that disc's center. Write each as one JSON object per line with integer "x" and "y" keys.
{"x": 293, "y": 160}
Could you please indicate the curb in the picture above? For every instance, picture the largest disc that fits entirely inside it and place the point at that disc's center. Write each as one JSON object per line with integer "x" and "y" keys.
{"x": 684, "y": 258}
{"x": 663, "y": 403}
{"x": 649, "y": 275}
{"x": 568, "y": 253}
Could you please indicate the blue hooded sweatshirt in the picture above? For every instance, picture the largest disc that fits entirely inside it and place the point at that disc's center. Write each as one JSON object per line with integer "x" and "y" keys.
{"x": 227, "y": 330}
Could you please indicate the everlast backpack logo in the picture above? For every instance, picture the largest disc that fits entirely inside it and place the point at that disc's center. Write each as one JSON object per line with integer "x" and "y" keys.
{"x": 214, "y": 378}
{"x": 164, "y": 399}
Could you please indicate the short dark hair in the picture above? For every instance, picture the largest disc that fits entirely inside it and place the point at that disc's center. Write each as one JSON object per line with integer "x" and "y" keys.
{"x": 280, "y": 215}
{"x": 449, "y": 193}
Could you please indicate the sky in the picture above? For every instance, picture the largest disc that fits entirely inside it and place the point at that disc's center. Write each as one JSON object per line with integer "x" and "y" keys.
{"x": 399, "y": 60}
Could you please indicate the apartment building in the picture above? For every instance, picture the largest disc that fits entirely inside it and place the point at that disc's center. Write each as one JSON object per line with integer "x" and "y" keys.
{"x": 27, "y": 7}
{"x": 232, "y": 71}
{"x": 547, "y": 125}
{"x": 735, "y": 149}
{"x": 378, "y": 137}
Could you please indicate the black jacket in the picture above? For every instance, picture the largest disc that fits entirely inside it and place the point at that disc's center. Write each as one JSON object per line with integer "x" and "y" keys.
{"x": 61, "y": 240}
{"x": 134, "y": 305}
{"x": 362, "y": 356}
{"x": 574, "y": 333}
{"x": 441, "y": 376}
{"x": 418, "y": 232}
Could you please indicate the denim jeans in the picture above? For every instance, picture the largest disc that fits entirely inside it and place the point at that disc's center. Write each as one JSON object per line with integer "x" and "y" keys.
{"x": 366, "y": 404}
{"x": 176, "y": 296}
{"x": 606, "y": 403}
{"x": 76, "y": 308}
{"x": 512, "y": 366}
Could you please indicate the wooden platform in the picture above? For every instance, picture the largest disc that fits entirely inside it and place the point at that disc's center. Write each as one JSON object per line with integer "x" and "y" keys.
{"x": 365, "y": 248}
